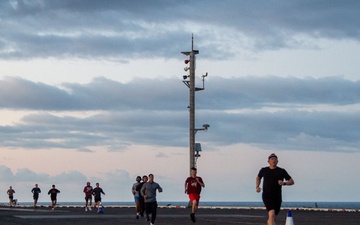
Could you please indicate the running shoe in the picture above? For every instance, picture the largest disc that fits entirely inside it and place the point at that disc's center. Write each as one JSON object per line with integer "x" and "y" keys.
{"x": 192, "y": 217}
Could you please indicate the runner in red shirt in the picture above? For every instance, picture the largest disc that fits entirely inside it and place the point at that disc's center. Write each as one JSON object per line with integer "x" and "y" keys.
{"x": 88, "y": 196}
{"x": 193, "y": 185}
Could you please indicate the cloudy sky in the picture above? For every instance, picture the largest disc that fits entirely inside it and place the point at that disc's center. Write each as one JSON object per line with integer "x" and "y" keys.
{"x": 93, "y": 91}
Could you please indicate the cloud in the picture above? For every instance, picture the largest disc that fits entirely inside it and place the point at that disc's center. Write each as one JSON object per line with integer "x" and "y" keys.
{"x": 6, "y": 172}
{"x": 170, "y": 94}
{"x": 26, "y": 175}
{"x": 120, "y": 30}
{"x": 280, "y": 113}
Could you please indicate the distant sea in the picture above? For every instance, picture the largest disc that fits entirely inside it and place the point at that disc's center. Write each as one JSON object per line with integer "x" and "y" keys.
{"x": 324, "y": 205}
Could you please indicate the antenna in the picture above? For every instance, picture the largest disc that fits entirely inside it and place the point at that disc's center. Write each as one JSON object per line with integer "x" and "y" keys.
{"x": 192, "y": 41}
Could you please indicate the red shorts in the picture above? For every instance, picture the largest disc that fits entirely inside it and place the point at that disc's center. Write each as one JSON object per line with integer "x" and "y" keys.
{"x": 193, "y": 197}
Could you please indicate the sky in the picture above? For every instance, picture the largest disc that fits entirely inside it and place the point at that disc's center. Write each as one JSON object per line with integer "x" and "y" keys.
{"x": 93, "y": 91}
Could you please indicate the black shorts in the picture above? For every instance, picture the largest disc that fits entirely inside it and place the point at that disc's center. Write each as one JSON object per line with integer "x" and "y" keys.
{"x": 87, "y": 198}
{"x": 97, "y": 199}
{"x": 272, "y": 204}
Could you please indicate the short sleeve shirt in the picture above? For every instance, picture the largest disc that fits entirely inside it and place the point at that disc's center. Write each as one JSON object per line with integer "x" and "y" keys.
{"x": 193, "y": 187}
{"x": 271, "y": 187}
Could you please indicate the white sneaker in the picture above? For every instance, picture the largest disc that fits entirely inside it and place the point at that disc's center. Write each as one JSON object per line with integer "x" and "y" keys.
{"x": 86, "y": 209}
{"x": 89, "y": 208}
{"x": 151, "y": 224}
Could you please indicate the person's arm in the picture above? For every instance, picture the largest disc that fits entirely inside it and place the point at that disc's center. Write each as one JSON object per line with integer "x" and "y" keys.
{"x": 288, "y": 182}
{"x": 186, "y": 185}
{"x": 142, "y": 190}
{"x": 257, "y": 184}
{"x": 200, "y": 181}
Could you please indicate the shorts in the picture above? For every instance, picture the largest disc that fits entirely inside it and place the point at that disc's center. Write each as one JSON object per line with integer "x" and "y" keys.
{"x": 97, "y": 199}
{"x": 87, "y": 198}
{"x": 194, "y": 196}
{"x": 272, "y": 204}
{"x": 11, "y": 197}
{"x": 136, "y": 198}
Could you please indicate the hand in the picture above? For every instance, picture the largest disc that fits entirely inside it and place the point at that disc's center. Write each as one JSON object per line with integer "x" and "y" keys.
{"x": 198, "y": 181}
{"x": 281, "y": 182}
{"x": 258, "y": 189}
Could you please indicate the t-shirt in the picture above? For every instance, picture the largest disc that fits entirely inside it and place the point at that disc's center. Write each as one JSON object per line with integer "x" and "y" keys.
{"x": 271, "y": 187}
{"x": 53, "y": 193}
{"x": 134, "y": 189}
{"x": 193, "y": 187}
{"x": 138, "y": 189}
{"x": 88, "y": 191}
{"x": 36, "y": 191}
{"x": 11, "y": 192}
{"x": 149, "y": 189}
{"x": 97, "y": 192}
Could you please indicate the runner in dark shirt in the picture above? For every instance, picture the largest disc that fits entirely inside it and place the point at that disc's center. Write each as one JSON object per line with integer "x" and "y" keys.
{"x": 53, "y": 196}
{"x": 97, "y": 193}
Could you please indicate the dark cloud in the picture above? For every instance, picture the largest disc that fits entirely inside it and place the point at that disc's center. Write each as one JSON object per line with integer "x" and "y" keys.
{"x": 160, "y": 95}
{"x": 121, "y": 30}
{"x": 279, "y": 113}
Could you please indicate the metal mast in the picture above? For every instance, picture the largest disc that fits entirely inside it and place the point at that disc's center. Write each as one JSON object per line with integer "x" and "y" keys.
{"x": 189, "y": 81}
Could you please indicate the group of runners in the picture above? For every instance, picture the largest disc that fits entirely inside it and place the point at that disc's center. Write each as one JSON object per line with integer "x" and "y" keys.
{"x": 53, "y": 192}
{"x": 273, "y": 177}
{"x": 144, "y": 191}
{"x": 145, "y": 188}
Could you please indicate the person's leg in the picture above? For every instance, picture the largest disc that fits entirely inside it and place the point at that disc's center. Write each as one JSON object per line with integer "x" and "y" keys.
{"x": 137, "y": 205}
{"x": 90, "y": 203}
{"x": 271, "y": 217}
{"x": 137, "y": 208}
{"x": 86, "y": 204}
{"x": 153, "y": 212}
{"x": 97, "y": 203}
{"x": 195, "y": 204}
{"x": 142, "y": 207}
{"x": 194, "y": 199}
{"x": 148, "y": 210}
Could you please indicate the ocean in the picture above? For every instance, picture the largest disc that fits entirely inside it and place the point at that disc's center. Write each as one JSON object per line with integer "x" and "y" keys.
{"x": 324, "y": 205}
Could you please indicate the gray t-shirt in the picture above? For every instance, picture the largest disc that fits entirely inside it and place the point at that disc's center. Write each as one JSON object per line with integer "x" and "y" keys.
{"x": 149, "y": 189}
